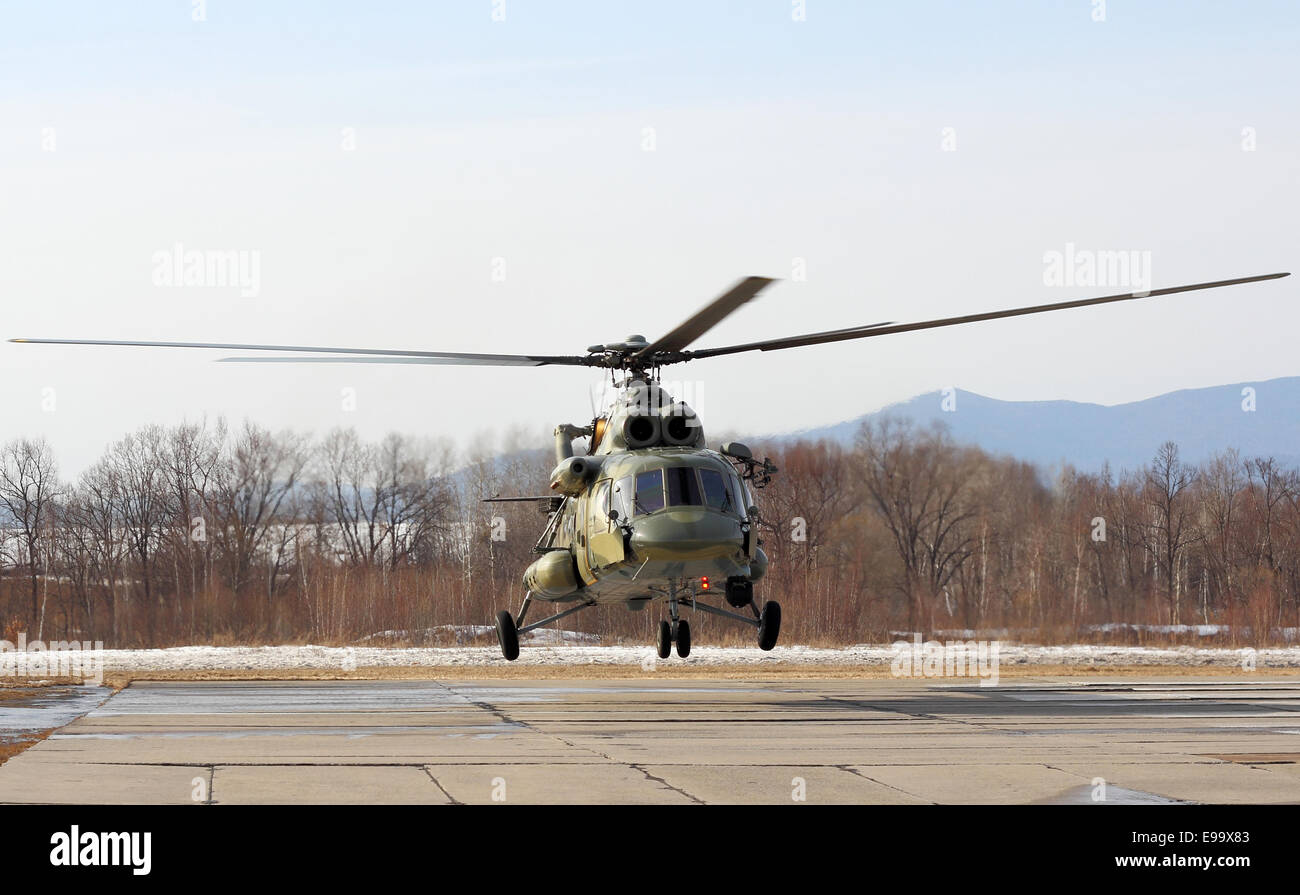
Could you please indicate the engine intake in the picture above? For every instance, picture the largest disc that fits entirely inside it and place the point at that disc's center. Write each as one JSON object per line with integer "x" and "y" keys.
{"x": 680, "y": 425}
{"x": 642, "y": 430}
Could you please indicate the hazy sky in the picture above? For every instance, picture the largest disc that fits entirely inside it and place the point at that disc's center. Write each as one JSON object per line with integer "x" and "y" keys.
{"x": 422, "y": 175}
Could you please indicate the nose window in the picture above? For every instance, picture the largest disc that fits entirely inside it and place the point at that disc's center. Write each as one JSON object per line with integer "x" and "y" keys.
{"x": 683, "y": 489}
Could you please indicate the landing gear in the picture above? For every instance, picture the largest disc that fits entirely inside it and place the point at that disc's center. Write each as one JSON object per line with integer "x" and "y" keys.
{"x": 507, "y": 635}
{"x": 769, "y": 625}
{"x": 509, "y": 627}
{"x": 740, "y": 593}
{"x": 677, "y": 631}
{"x": 683, "y": 638}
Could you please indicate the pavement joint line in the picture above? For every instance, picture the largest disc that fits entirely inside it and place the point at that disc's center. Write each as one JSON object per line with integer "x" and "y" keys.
{"x": 419, "y": 763}
{"x": 664, "y": 783}
{"x": 610, "y": 760}
{"x": 500, "y": 713}
{"x": 856, "y": 772}
{"x": 1076, "y": 774}
{"x": 442, "y": 788}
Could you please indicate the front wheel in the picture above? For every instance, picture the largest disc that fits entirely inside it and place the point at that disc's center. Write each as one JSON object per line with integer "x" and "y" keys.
{"x": 507, "y": 635}
{"x": 769, "y": 625}
{"x": 683, "y": 639}
{"x": 665, "y": 642}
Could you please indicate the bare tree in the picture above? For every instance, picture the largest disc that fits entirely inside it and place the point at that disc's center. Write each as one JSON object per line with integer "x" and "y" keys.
{"x": 918, "y": 486}
{"x": 1173, "y": 526}
{"x": 1221, "y": 488}
{"x": 245, "y": 496}
{"x": 139, "y": 480}
{"x": 190, "y": 459}
{"x": 1270, "y": 486}
{"x": 28, "y": 487}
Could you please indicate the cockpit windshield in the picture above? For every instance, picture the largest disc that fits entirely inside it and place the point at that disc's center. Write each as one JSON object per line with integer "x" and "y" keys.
{"x": 649, "y": 491}
{"x": 682, "y": 486}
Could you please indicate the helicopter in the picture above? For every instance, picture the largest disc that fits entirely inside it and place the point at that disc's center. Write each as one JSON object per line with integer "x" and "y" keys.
{"x": 649, "y": 514}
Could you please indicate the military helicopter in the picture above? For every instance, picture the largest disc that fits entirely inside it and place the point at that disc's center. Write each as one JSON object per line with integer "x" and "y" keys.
{"x": 649, "y": 514}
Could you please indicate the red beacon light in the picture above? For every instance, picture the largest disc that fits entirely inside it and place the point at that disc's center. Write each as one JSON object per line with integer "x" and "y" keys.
{"x": 704, "y": 583}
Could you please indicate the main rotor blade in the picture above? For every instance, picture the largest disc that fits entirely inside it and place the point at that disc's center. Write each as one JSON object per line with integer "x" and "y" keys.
{"x": 862, "y": 332}
{"x": 375, "y": 355}
{"x": 491, "y": 360}
{"x": 546, "y": 497}
{"x": 708, "y": 317}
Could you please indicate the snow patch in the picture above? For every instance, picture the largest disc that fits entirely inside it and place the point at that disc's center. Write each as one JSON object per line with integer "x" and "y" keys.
{"x": 541, "y": 652}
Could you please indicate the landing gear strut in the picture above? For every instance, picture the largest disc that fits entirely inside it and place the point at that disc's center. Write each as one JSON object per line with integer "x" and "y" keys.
{"x": 509, "y": 628}
{"x": 767, "y": 620}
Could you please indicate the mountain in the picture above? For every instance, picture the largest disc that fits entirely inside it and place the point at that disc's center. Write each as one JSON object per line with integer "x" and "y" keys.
{"x": 1200, "y": 421}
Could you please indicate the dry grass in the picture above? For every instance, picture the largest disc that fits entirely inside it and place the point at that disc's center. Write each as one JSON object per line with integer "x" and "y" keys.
{"x": 27, "y": 687}
{"x": 10, "y": 748}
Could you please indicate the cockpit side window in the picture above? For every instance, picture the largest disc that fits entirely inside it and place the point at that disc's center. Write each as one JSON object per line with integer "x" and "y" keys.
{"x": 622, "y": 498}
{"x": 649, "y": 491}
{"x": 601, "y": 519}
{"x": 683, "y": 487}
{"x": 746, "y": 495}
{"x": 740, "y": 493}
{"x": 716, "y": 492}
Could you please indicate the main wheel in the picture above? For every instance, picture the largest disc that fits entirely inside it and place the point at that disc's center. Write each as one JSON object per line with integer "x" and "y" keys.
{"x": 769, "y": 625}
{"x": 507, "y": 635}
{"x": 683, "y": 639}
{"x": 665, "y": 642}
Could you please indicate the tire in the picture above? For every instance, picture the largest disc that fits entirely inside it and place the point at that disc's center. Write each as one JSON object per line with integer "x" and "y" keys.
{"x": 769, "y": 625}
{"x": 665, "y": 642}
{"x": 683, "y": 639}
{"x": 507, "y": 635}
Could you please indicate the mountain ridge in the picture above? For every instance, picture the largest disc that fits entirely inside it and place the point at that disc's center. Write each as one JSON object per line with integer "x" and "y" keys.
{"x": 1260, "y": 418}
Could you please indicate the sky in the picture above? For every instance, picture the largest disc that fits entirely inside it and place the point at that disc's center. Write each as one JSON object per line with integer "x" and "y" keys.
{"x": 537, "y": 177}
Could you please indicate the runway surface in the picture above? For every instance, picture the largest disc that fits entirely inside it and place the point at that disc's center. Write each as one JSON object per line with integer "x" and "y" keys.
{"x": 674, "y": 742}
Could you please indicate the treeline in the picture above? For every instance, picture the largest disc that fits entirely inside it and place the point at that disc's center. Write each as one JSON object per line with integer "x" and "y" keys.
{"x": 200, "y": 534}
{"x": 908, "y": 531}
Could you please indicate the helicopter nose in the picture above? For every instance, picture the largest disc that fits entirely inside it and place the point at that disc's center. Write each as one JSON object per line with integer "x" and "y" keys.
{"x": 680, "y": 533}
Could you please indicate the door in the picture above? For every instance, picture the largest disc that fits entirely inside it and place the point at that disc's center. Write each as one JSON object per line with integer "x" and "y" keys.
{"x": 604, "y": 538}
{"x": 582, "y": 539}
